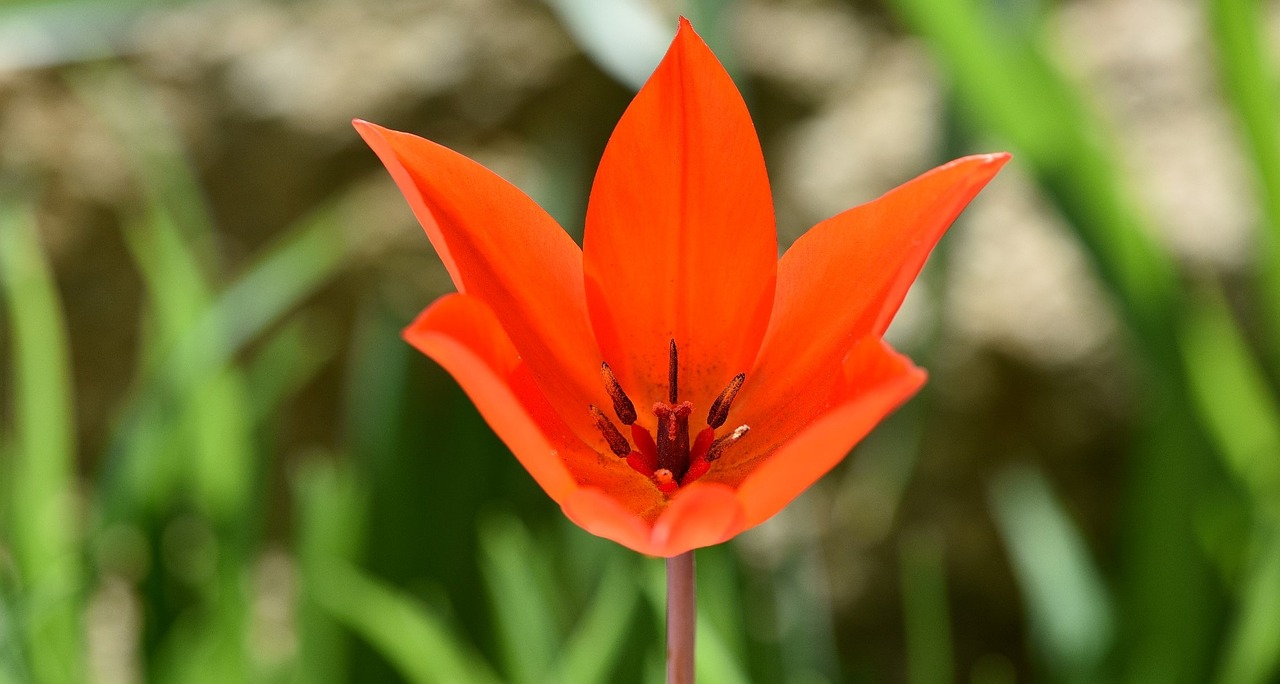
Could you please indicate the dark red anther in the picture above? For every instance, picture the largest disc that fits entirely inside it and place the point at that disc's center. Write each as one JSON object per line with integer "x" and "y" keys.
{"x": 673, "y": 374}
{"x": 718, "y": 446}
{"x": 719, "y": 412}
{"x": 617, "y": 443}
{"x": 622, "y": 405}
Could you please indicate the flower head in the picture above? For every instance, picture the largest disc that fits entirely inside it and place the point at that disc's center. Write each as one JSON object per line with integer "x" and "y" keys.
{"x": 672, "y": 383}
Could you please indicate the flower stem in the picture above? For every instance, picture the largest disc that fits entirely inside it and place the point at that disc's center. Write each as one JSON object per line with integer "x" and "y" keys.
{"x": 682, "y": 611}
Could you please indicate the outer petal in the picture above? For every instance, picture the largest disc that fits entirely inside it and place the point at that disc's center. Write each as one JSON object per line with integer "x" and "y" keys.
{"x": 876, "y": 381}
{"x": 846, "y": 278}
{"x": 701, "y": 515}
{"x": 503, "y": 249}
{"x": 600, "y": 514}
{"x": 463, "y": 335}
{"x": 680, "y": 240}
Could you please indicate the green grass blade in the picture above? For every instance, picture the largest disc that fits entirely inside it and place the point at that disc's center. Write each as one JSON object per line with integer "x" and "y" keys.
{"x": 1243, "y": 417}
{"x": 212, "y": 335}
{"x": 523, "y": 611}
{"x": 1009, "y": 84}
{"x": 1253, "y": 651}
{"x": 924, "y": 608}
{"x": 1232, "y": 395}
{"x": 209, "y": 644}
{"x": 288, "y": 360}
{"x": 331, "y": 512}
{"x": 720, "y": 597}
{"x": 42, "y": 515}
{"x": 1239, "y": 32}
{"x": 592, "y": 650}
{"x": 203, "y": 422}
{"x": 1067, "y": 603}
{"x": 13, "y": 667}
{"x": 415, "y": 641}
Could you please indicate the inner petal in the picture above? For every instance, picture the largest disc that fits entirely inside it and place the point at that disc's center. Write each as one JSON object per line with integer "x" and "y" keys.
{"x": 680, "y": 240}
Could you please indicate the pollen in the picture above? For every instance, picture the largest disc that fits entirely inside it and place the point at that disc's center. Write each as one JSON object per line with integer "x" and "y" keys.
{"x": 668, "y": 457}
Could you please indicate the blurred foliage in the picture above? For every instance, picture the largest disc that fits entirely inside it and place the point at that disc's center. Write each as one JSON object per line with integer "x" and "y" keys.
{"x": 219, "y": 462}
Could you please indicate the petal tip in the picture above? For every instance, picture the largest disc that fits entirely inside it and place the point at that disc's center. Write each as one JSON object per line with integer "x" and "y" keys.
{"x": 363, "y": 126}
{"x": 687, "y": 35}
{"x": 997, "y": 158}
{"x": 374, "y": 136}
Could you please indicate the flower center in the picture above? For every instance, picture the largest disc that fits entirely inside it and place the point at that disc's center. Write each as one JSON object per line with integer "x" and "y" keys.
{"x": 667, "y": 457}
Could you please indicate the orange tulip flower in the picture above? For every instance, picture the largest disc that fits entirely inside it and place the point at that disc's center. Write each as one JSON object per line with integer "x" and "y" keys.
{"x": 672, "y": 383}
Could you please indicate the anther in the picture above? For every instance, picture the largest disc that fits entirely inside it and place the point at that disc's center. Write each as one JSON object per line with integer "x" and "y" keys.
{"x": 718, "y": 446}
{"x": 622, "y": 405}
{"x": 720, "y": 407}
{"x": 673, "y": 373}
{"x": 617, "y": 443}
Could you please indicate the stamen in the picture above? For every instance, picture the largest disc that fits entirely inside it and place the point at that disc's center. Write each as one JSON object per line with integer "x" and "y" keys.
{"x": 701, "y": 444}
{"x": 718, "y": 446}
{"x": 698, "y": 463}
{"x": 617, "y": 443}
{"x": 719, "y": 412}
{"x": 666, "y": 455}
{"x": 622, "y": 405}
{"x": 673, "y": 368}
{"x": 644, "y": 443}
{"x": 642, "y": 463}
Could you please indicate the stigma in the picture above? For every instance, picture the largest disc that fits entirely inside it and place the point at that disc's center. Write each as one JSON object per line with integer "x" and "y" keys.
{"x": 668, "y": 457}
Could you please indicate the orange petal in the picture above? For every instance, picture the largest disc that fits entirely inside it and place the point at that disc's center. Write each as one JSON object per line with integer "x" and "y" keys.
{"x": 503, "y": 249}
{"x": 846, "y": 278}
{"x": 600, "y": 514}
{"x": 464, "y": 337}
{"x": 699, "y": 515}
{"x": 680, "y": 240}
{"x": 876, "y": 380}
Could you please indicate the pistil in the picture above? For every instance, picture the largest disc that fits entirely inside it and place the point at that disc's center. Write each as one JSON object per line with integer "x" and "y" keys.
{"x": 673, "y": 435}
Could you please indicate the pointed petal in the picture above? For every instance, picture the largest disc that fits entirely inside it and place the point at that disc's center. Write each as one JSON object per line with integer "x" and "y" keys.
{"x": 503, "y": 249}
{"x": 462, "y": 335}
{"x": 680, "y": 241}
{"x": 876, "y": 381}
{"x": 846, "y": 278}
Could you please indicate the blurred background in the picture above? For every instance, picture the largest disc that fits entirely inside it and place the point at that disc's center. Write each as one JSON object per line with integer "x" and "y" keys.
{"x": 220, "y": 463}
